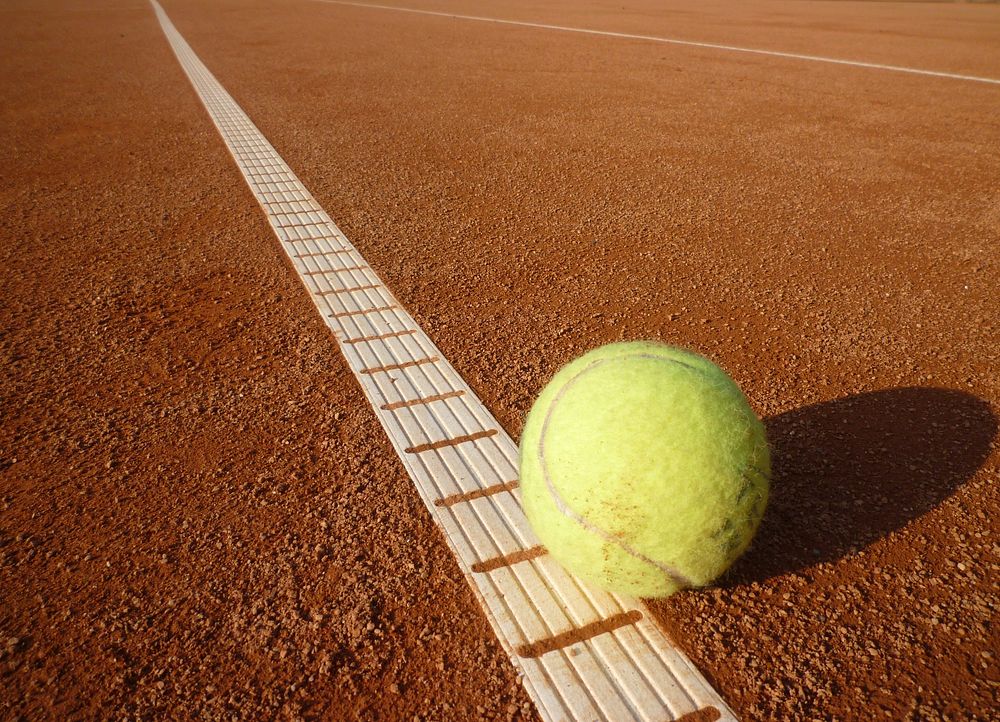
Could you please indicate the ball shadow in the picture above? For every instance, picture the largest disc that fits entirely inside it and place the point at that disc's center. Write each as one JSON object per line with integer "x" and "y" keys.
{"x": 848, "y": 472}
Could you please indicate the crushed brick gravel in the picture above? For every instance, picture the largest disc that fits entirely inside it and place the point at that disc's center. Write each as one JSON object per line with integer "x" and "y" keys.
{"x": 200, "y": 516}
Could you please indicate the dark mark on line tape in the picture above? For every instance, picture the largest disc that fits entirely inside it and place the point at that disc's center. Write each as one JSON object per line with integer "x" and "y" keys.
{"x": 521, "y": 555}
{"x": 362, "y": 311}
{"x": 274, "y": 207}
{"x": 324, "y": 253}
{"x": 579, "y": 634}
{"x": 334, "y": 291}
{"x": 403, "y": 365}
{"x": 311, "y": 224}
{"x": 419, "y": 402}
{"x": 453, "y": 499}
{"x": 430, "y": 446}
{"x": 324, "y": 271}
{"x": 379, "y": 337}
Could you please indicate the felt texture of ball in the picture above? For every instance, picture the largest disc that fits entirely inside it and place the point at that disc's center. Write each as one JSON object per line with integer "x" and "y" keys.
{"x": 643, "y": 469}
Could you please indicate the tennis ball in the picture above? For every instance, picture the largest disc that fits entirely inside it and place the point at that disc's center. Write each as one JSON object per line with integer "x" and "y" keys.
{"x": 644, "y": 469}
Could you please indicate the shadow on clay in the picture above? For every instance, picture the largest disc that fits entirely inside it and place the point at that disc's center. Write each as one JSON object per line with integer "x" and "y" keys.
{"x": 848, "y": 472}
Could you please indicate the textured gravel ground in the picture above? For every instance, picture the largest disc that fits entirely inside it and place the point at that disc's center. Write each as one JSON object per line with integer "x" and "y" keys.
{"x": 199, "y": 515}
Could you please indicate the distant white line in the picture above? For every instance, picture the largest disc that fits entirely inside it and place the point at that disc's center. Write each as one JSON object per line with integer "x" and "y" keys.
{"x": 674, "y": 41}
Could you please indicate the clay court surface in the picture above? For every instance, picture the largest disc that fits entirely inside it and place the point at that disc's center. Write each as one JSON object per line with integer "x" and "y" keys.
{"x": 200, "y": 516}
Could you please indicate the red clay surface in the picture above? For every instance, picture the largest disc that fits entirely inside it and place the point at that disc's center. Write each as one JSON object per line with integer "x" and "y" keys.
{"x": 199, "y": 514}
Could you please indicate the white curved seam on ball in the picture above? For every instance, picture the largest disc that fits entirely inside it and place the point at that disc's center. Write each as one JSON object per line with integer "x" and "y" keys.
{"x": 564, "y": 508}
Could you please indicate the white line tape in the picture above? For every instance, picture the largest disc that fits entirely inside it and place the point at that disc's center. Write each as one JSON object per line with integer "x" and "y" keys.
{"x": 675, "y": 41}
{"x": 584, "y": 654}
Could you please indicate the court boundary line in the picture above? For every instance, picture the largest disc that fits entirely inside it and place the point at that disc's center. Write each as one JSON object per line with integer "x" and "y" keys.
{"x": 582, "y": 653}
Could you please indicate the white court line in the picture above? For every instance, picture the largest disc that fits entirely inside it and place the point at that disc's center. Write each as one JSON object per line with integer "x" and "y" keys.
{"x": 583, "y": 654}
{"x": 675, "y": 41}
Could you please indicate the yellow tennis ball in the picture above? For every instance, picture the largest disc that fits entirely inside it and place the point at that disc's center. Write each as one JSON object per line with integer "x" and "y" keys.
{"x": 643, "y": 469}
